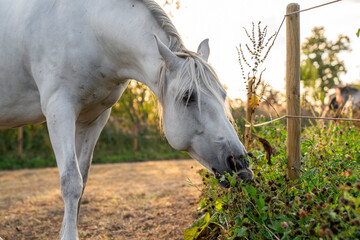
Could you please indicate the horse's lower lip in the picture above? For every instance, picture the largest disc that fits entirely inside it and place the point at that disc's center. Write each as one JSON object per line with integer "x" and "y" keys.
{"x": 245, "y": 174}
{"x": 224, "y": 184}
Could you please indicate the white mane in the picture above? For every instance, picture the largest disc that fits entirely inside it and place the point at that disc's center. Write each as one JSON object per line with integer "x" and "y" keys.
{"x": 175, "y": 42}
{"x": 195, "y": 74}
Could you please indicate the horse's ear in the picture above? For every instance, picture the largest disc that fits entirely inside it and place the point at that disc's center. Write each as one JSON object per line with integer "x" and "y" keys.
{"x": 204, "y": 49}
{"x": 170, "y": 58}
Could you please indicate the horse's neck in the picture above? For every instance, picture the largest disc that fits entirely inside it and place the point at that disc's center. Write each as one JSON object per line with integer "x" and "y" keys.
{"x": 125, "y": 30}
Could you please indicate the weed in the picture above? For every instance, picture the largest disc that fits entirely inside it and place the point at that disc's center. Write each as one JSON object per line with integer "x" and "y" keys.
{"x": 323, "y": 203}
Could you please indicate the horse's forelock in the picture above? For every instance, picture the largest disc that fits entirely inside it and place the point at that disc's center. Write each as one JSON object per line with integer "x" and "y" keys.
{"x": 194, "y": 75}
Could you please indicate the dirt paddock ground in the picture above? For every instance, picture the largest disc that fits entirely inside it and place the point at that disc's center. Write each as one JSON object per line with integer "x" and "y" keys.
{"x": 147, "y": 200}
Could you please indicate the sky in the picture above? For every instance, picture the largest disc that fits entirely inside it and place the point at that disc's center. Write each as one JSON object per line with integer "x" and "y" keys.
{"x": 223, "y": 21}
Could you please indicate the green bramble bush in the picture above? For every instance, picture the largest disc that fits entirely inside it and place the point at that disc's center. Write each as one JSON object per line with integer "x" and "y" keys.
{"x": 323, "y": 204}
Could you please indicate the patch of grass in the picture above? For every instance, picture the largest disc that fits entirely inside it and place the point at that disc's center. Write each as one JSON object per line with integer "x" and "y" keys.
{"x": 323, "y": 203}
{"x": 12, "y": 162}
{"x": 111, "y": 148}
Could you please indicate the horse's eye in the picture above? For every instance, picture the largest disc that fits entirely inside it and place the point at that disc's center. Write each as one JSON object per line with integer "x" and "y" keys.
{"x": 189, "y": 98}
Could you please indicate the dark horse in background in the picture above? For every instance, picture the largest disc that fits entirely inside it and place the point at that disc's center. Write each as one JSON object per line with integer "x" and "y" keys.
{"x": 346, "y": 101}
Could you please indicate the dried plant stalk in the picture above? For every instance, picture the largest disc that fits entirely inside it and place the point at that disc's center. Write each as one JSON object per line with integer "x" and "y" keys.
{"x": 258, "y": 51}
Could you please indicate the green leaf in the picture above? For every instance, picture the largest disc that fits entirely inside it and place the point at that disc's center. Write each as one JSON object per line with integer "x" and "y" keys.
{"x": 277, "y": 226}
{"x": 214, "y": 181}
{"x": 308, "y": 143}
{"x": 232, "y": 179}
{"x": 197, "y": 227}
{"x": 260, "y": 203}
{"x": 258, "y": 154}
{"x": 222, "y": 178}
{"x": 203, "y": 203}
{"x": 238, "y": 219}
{"x": 358, "y": 33}
{"x": 251, "y": 191}
{"x": 239, "y": 232}
{"x": 219, "y": 205}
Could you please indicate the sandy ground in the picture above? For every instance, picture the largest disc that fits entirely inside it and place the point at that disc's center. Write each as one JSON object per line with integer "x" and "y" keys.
{"x": 149, "y": 200}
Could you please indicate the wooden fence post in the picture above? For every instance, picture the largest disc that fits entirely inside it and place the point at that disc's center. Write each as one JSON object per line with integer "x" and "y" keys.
{"x": 293, "y": 90}
{"x": 20, "y": 141}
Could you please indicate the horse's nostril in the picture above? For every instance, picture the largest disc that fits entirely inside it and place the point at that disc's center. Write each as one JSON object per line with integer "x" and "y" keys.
{"x": 244, "y": 161}
{"x": 236, "y": 164}
{"x": 232, "y": 164}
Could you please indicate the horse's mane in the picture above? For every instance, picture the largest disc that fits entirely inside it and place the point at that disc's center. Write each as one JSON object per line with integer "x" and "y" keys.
{"x": 175, "y": 42}
{"x": 195, "y": 73}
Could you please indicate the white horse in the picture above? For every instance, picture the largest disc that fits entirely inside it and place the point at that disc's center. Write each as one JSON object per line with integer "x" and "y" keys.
{"x": 67, "y": 62}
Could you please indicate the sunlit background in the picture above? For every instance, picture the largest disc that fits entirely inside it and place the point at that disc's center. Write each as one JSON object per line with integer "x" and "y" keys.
{"x": 223, "y": 21}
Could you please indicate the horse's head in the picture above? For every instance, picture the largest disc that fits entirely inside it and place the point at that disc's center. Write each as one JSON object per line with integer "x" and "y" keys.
{"x": 194, "y": 114}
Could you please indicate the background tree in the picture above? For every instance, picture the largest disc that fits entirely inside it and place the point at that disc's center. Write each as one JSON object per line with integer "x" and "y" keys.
{"x": 136, "y": 111}
{"x": 321, "y": 67}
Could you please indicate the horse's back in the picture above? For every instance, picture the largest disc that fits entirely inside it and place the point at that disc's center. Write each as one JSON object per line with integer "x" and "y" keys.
{"x": 38, "y": 40}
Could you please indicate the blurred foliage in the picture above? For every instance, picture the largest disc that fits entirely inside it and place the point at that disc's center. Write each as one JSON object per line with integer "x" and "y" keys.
{"x": 136, "y": 112}
{"x": 131, "y": 134}
{"x": 36, "y": 147}
{"x": 323, "y": 204}
{"x": 170, "y": 6}
{"x": 321, "y": 66}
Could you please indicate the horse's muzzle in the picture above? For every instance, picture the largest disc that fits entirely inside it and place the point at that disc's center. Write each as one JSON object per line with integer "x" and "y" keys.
{"x": 245, "y": 174}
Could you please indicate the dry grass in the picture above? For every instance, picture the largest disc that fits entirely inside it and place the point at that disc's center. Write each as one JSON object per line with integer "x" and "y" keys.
{"x": 150, "y": 200}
